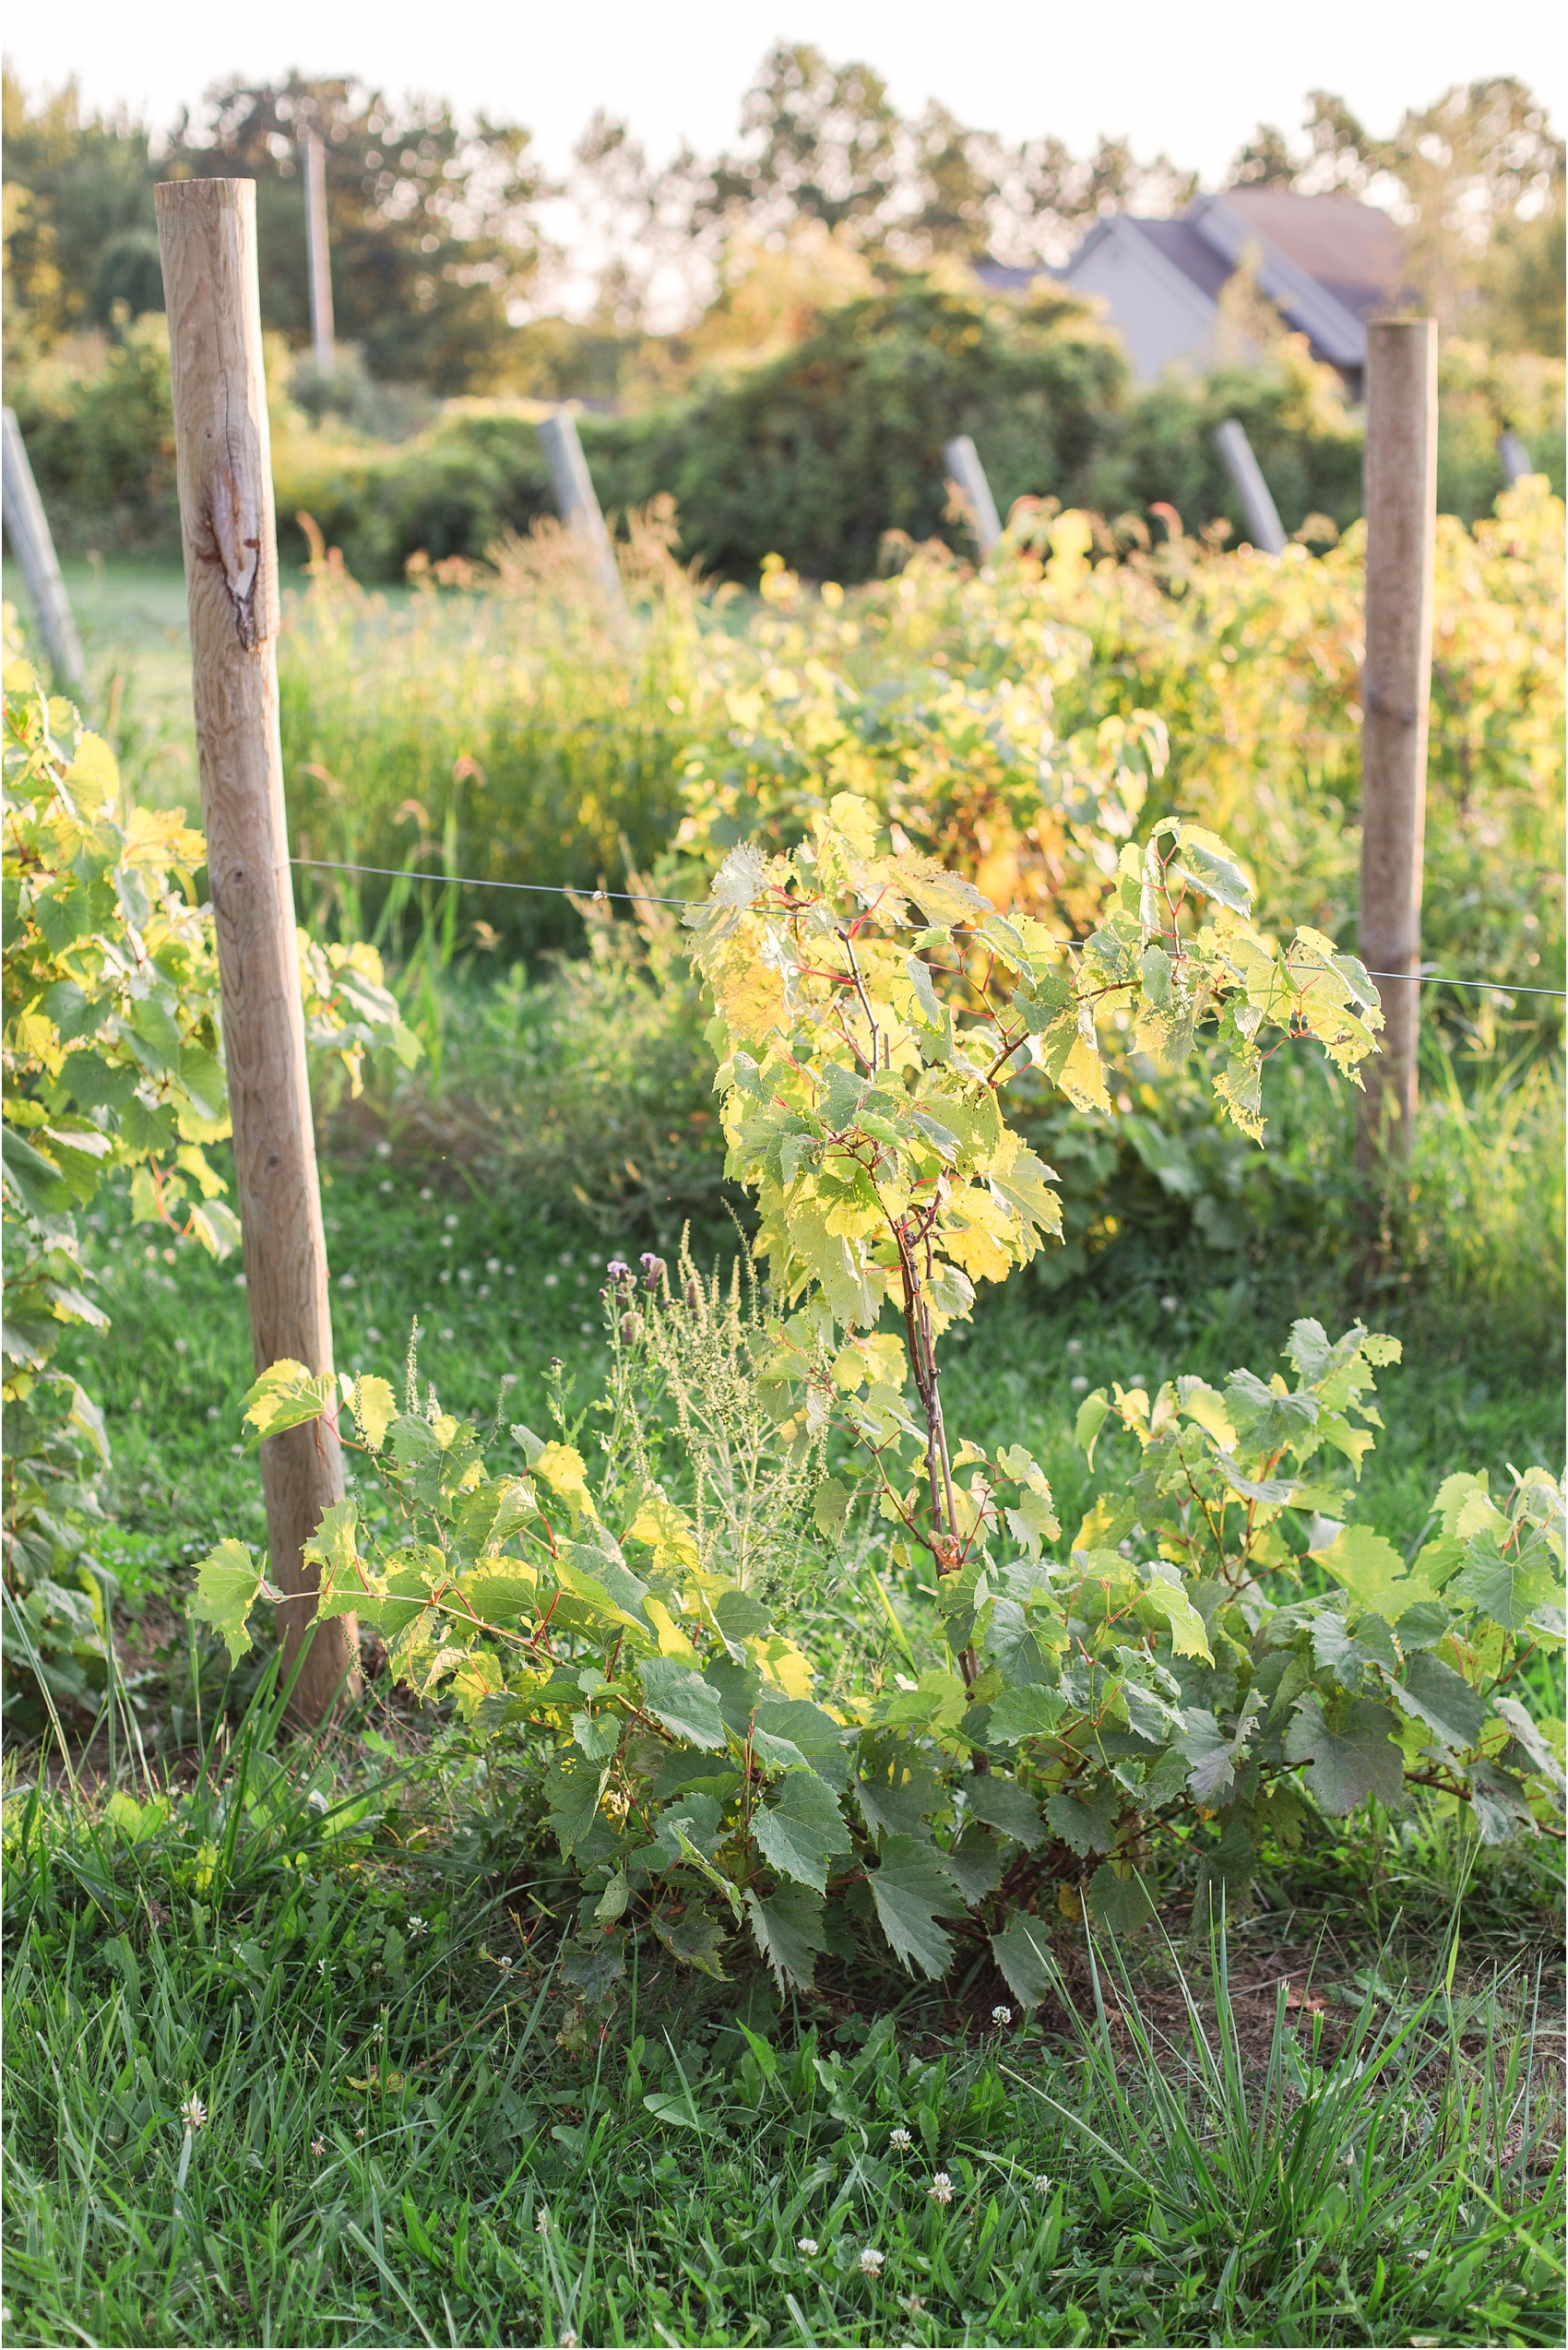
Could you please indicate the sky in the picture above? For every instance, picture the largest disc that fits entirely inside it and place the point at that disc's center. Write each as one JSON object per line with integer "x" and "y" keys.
{"x": 1191, "y": 79}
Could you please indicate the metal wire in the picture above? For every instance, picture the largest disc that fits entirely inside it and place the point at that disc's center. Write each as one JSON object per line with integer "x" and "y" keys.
{"x": 644, "y": 897}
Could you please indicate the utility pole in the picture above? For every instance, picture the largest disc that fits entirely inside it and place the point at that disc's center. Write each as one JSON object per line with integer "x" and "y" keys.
{"x": 27, "y": 526}
{"x": 318, "y": 255}
{"x": 1246, "y": 479}
{"x": 206, "y": 232}
{"x": 1401, "y": 510}
{"x": 965, "y": 468}
{"x": 578, "y": 500}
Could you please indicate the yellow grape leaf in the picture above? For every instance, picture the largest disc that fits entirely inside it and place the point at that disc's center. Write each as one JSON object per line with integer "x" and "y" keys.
{"x": 1083, "y": 1078}
{"x": 375, "y": 1408}
{"x": 1375, "y": 1575}
{"x": 672, "y": 1641}
{"x": 286, "y": 1395}
{"x": 666, "y": 1529}
{"x": 561, "y": 1469}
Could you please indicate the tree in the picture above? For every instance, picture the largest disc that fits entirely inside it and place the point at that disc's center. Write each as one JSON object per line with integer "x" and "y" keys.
{"x": 79, "y": 231}
{"x": 431, "y": 222}
{"x": 828, "y": 148}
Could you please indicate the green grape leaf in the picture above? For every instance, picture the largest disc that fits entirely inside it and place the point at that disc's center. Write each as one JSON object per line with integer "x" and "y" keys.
{"x": 1510, "y": 1711}
{"x": 1375, "y": 1575}
{"x": 690, "y": 1826}
{"x": 1349, "y": 1656}
{"x": 1004, "y": 1805}
{"x": 1348, "y": 1763}
{"x": 1508, "y": 1587}
{"x": 1086, "y": 1826}
{"x": 895, "y": 1795}
{"x": 1032, "y": 1711}
{"x": 684, "y": 1701}
{"x": 1022, "y": 1951}
{"x": 1204, "y": 860}
{"x": 1438, "y": 1696}
{"x": 1120, "y": 1904}
{"x": 287, "y": 1395}
{"x": 1188, "y": 1637}
{"x": 609, "y": 1590}
{"x": 975, "y": 1864}
{"x": 800, "y": 1830}
{"x": 1501, "y": 1807}
{"x": 832, "y": 1506}
{"x": 229, "y": 1584}
{"x": 1093, "y": 1413}
{"x": 814, "y": 1733}
{"x": 695, "y": 1938}
{"x": 911, "y": 1890}
{"x": 789, "y": 1931}
{"x": 572, "y": 1791}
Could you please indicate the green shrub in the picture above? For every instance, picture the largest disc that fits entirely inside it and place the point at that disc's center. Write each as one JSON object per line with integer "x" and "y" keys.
{"x": 101, "y": 443}
{"x": 1217, "y": 1649}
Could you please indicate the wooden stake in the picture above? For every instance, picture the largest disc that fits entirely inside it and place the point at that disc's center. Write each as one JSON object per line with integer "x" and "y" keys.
{"x": 578, "y": 500}
{"x": 964, "y": 467}
{"x": 1246, "y": 479}
{"x": 32, "y": 543}
{"x": 206, "y": 232}
{"x": 318, "y": 255}
{"x": 1401, "y": 508}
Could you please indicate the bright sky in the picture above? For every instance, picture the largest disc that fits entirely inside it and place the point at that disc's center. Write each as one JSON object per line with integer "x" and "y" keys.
{"x": 1193, "y": 79}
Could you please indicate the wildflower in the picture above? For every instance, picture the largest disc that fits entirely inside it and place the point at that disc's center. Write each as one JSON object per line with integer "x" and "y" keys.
{"x": 618, "y": 1269}
{"x": 193, "y": 2113}
{"x": 807, "y": 2244}
{"x": 1042, "y": 2184}
{"x": 912, "y": 2302}
{"x": 940, "y": 2188}
{"x": 1078, "y": 1385}
{"x": 900, "y": 2138}
{"x": 568, "y": 2340}
{"x": 318, "y": 2147}
{"x": 541, "y": 2225}
{"x": 358, "y": 2133}
{"x": 1168, "y": 1305}
{"x": 872, "y": 2263}
{"x": 1001, "y": 2015}
{"x": 416, "y": 1925}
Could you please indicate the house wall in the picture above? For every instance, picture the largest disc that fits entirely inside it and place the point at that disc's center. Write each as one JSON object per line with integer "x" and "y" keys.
{"x": 1157, "y": 315}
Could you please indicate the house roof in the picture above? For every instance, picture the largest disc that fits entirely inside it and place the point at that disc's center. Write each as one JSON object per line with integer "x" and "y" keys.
{"x": 1352, "y": 250}
{"x": 1181, "y": 244}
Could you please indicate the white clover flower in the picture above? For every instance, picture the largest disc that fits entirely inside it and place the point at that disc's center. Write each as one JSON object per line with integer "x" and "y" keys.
{"x": 193, "y": 2113}
{"x": 1078, "y": 1385}
{"x": 808, "y": 2245}
{"x": 318, "y": 2147}
{"x": 940, "y": 2188}
{"x": 568, "y": 2340}
{"x": 1042, "y": 2184}
{"x": 541, "y": 2225}
{"x": 872, "y": 2263}
{"x": 900, "y": 2138}
{"x": 912, "y": 2302}
{"x": 1001, "y": 2015}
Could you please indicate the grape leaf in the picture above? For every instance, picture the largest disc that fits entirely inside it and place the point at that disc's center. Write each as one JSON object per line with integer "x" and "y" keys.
{"x": 608, "y": 1589}
{"x": 684, "y": 1701}
{"x": 788, "y": 1926}
{"x": 816, "y": 1733}
{"x": 910, "y": 1889}
{"x": 1093, "y": 1413}
{"x": 1438, "y": 1696}
{"x": 1530, "y": 1739}
{"x": 974, "y": 1863}
{"x": 1502, "y": 1806}
{"x": 798, "y": 1832}
{"x": 1030, "y": 1712}
{"x": 229, "y": 1582}
{"x": 1375, "y": 1575}
{"x": 286, "y": 1395}
{"x": 572, "y": 1792}
{"x": 1085, "y": 1827}
{"x": 1003, "y": 1804}
{"x": 1348, "y": 1763}
{"x": 1022, "y": 1951}
{"x": 895, "y": 1795}
{"x": 695, "y": 1938}
{"x": 375, "y": 1408}
{"x": 1508, "y": 1588}
{"x": 1120, "y": 1904}
{"x": 1188, "y": 1637}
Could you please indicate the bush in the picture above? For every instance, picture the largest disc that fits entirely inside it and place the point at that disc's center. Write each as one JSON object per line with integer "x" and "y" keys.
{"x": 101, "y": 440}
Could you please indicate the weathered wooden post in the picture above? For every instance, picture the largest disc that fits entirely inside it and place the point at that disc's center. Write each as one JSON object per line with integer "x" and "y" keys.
{"x": 963, "y": 463}
{"x": 27, "y": 526}
{"x": 207, "y": 231}
{"x": 578, "y": 501}
{"x": 1246, "y": 479}
{"x": 318, "y": 255}
{"x": 1401, "y": 509}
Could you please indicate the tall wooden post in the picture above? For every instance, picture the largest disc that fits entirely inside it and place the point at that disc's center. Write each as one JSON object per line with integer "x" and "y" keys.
{"x": 318, "y": 255}
{"x": 1401, "y": 509}
{"x": 206, "y": 232}
{"x": 1246, "y": 479}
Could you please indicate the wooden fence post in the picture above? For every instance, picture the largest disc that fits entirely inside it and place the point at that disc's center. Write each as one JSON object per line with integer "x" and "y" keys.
{"x": 207, "y": 231}
{"x": 318, "y": 255}
{"x": 27, "y": 526}
{"x": 1401, "y": 510}
{"x": 578, "y": 501}
{"x": 1246, "y": 479}
{"x": 964, "y": 467}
